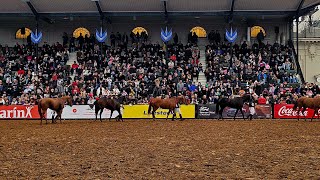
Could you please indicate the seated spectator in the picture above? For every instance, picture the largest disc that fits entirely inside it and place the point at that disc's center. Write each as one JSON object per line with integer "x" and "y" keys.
{"x": 262, "y": 100}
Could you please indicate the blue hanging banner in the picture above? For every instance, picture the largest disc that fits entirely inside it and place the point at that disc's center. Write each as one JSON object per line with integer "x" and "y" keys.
{"x": 232, "y": 35}
{"x": 101, "y": 36}
{"x": 166, "y": 35}
{"x": 36, "y": 37}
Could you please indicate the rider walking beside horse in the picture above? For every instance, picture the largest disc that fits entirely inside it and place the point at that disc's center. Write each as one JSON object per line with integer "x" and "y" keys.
{"x": 168, "y": 103}
{"x": 236, "y": 103}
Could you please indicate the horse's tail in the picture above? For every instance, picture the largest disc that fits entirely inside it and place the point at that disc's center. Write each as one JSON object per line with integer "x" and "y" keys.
{"x": 40, "y": 108}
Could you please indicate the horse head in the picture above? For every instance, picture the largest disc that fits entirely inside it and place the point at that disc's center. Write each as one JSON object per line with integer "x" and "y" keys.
{"x": 246, "y": 97}
{"x": 68, "y": 99}
{"x": 183, "y": 100}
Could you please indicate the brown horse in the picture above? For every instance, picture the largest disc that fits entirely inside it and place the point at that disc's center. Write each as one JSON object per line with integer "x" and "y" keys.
{"x": 110, "y": 104}
{"x": 307, "y": 102}
{"x": 56, "y": 104}
{"x": 168, "y": 103}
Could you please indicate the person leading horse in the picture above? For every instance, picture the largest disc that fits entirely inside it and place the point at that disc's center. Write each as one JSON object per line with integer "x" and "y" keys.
{"x": 236, "y": 103}
{"x": 169, "y": 103}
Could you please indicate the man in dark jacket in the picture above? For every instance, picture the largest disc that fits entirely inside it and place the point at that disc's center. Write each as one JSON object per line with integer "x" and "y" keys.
{"x": 157, "y": 91}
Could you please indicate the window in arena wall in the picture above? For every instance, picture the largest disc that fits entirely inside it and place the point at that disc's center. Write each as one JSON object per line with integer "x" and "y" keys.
{"x": 255, "y": 30}
{"x": 23, "y": 36}
{"x": 139, "y": 30}
{"x": 200, "y": 31}
{"x": 82, "y": 30}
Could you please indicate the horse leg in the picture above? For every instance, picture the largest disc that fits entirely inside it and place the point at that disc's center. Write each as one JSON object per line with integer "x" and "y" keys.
{"x": 168, "y": 114}
{"x": 60, "y": 114}
{"x": 96, "y": 111}
{"x": 315, "y": 111}
{"x": 111, "y": 115}
{"x": 120, "y": 115}
{"x": 41, "y": 116}
{"x": 303, "y": 109}
{"x": 101, "y": 111}
{"x": 234, "y": 118}
{"x": 153, "y": 112}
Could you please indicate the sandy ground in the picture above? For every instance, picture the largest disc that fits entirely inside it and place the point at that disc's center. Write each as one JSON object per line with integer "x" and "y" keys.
{"x": 144, "y": 149}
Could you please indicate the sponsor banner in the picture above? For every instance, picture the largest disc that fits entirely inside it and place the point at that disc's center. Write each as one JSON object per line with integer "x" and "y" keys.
{"x": 81, "y": 112}
{"x": 285, "y": 111}
{"x": 19, "y": 112}
{"x": 141, "y": 111}
{"x": 208, "y": 111}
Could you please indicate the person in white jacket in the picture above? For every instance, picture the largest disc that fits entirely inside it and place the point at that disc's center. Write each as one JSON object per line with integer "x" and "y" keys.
{"x": 100, "y": 90}
{"x": 2, "y": 101}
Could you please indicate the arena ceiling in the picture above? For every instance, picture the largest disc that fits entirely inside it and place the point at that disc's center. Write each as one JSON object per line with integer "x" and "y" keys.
{"x": 154, "y": 7}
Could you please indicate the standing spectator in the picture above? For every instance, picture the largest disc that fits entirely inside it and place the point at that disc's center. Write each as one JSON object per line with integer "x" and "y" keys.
{"x": 260, "y": 37}
{"x": 194, "y": 38}
{"x": 157, "y": 90}
{"x": 175, "y": 38}
{"x": 113, "y": 39}
{"x": 80, "y": 41}
{"x": 65, "y": 39}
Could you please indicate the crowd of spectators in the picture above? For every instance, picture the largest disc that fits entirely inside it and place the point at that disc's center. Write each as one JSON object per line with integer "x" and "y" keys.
{"x": 128, "y": 73}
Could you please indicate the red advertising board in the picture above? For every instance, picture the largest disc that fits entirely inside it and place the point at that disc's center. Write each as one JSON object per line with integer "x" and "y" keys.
{"x": 19, "y": 112}
{"x": 285, "y": 111}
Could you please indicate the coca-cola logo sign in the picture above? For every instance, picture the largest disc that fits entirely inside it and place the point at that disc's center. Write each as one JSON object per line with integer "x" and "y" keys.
{"x": 287, "y": 111}
{"x": 284, "y": 111}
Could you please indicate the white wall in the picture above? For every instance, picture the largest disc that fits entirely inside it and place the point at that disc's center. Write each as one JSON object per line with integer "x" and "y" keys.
{"x": 53, "y": 33}
{"x": 309, "y": 58}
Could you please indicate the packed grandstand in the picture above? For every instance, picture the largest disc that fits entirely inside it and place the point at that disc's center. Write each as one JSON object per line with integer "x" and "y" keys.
{"x": 126, "y": 70}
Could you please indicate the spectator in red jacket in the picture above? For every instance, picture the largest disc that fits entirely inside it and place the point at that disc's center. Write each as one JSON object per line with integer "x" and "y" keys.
{"x": 20, "y": 72}
{"x": 262, "y": 100}
{"x": 173, "y": 57}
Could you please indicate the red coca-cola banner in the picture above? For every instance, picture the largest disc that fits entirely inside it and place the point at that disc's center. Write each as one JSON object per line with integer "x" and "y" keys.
{"x": 285, "y": 111}
{"x": 19, "y": 112}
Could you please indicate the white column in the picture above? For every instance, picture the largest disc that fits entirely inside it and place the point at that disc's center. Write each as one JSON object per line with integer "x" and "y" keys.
{"x": 248, "y": 34}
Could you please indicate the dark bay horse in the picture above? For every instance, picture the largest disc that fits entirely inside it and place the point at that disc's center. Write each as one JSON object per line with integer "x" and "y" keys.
{"x": 55, "y": 104}
{"x": 236, "y": 103}
{"x": 303, "y": 103}
{"x": 169, "y": 103}
{"x": 110, "y": 104}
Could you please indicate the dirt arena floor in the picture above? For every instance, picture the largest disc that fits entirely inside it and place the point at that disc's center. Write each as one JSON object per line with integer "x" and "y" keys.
{"x": 145, "y": 149}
